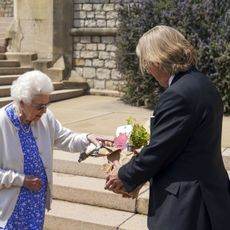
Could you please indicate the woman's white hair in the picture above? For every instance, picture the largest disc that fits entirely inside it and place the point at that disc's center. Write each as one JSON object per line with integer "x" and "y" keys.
{"x": 30, "y": 84}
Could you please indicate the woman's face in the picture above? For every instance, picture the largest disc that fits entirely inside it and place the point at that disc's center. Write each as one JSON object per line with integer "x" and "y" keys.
{"x": 160, "y": 75}
{"x": 34, "y": 111}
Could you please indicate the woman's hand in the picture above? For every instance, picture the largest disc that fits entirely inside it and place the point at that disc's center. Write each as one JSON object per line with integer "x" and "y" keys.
{"x": 97, "y": 140}
{"x": 32, "y": 183}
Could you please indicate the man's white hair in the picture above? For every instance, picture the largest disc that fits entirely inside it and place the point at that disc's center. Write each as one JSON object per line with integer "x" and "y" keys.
{"x": 30, "y": 84}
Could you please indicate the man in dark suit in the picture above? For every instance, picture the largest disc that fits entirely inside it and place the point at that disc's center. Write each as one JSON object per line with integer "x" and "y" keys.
{"x": 189, "y": 186}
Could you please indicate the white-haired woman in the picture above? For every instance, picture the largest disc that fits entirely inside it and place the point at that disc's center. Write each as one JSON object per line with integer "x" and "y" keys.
{"x": 28, "y": 134}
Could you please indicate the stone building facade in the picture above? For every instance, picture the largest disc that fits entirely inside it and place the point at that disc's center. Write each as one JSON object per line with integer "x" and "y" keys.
{"x": 94, "y": 42}
{"x": 91, "y": 25}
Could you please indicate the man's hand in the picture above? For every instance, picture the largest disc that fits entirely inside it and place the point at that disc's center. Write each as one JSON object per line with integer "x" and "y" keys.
{"x": 32, "y": 183}
{"x": 113, "y": 183}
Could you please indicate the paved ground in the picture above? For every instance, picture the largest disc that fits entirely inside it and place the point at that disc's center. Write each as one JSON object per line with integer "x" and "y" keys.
{"x": 102, "y": 114}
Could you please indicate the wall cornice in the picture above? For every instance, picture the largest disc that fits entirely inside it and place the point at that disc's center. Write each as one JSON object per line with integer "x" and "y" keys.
{"x": 93, "y": 31}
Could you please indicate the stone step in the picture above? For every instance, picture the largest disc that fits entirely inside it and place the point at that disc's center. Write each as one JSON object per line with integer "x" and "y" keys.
{"x": 226, "y": 158}
{"x": 5, "y": 89}
{"x": 65, "y": 162}
{"x": 2, "y": 46}
{"x": 4, "y": 101}
{"x": 14, "y": 70}
{"x": 55, "y": 96}
{"x": 2, "y": 56}
{"x": 58, "y": 85}
{"x": 89, "y": 190}
{"x": 25, "y": 59}
{"x": 58, "y": 95}
{"x": 9, "y": 63}
{"x": 82, "y": 217}
{"x": 8, "y": 79}
{"x": 143, "y": 203}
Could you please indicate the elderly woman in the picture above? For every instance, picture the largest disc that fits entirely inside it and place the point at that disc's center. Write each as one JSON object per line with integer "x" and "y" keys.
{"x": 28, "y": 134}
{"x": 189, "y": 186}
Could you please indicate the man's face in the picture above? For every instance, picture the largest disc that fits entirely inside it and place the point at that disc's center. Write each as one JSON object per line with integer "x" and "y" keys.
{"x": 161, "y": 76}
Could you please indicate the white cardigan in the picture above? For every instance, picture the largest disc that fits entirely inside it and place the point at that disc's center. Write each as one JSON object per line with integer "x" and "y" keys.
{"x": 48, "y": 133}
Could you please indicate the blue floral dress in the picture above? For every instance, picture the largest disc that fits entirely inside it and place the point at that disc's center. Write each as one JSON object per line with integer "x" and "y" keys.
{"x": 29, "y": 211}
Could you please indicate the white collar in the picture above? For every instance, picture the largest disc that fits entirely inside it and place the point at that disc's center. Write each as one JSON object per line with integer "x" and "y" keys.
{"x": 171, "y": 79}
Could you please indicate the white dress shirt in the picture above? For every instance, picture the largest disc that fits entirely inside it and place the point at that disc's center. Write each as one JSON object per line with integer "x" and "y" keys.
{"x": 171, "y": 79}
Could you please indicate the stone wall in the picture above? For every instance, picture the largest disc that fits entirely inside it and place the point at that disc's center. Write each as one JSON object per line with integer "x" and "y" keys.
{"x": 6, "y": 8}
{"x": 94, "y": 38}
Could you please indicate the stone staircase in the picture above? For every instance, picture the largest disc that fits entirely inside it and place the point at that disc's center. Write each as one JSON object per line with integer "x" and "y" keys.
{"x": 10, "y": 69}
{"x": 81, "y": 203}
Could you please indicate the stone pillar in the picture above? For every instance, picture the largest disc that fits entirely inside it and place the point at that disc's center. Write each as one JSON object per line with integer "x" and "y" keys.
{"x": 34, "y": 22}
{"x": 62, "y": 40}
{"x": 42, "y": 27}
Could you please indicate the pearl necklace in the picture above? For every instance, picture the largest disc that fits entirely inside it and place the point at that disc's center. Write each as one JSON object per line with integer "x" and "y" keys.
{"x": 25, "y": 130}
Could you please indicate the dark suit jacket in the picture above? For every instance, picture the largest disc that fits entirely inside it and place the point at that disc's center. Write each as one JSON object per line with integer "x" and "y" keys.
{"x": 183, "y": 160}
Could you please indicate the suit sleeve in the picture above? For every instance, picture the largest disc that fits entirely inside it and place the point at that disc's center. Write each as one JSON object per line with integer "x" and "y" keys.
{"x": 170, "y": 132}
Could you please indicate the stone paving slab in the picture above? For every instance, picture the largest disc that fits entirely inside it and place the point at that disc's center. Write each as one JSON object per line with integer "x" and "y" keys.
{"x": 105, "y": 124}
{"x": 72, "y": 216}
{"x": 97, "y": 114}
{"x": 102, "y": 114}
{"x": 143, "y": 202}
{"x": 137, "y": 222}
{"x": 89, "y": 190}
